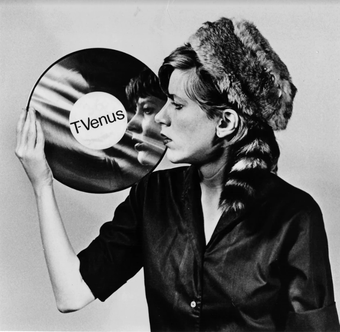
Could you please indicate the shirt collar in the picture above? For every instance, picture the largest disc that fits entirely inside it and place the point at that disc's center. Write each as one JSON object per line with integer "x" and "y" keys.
{"x": 191, "y": 197}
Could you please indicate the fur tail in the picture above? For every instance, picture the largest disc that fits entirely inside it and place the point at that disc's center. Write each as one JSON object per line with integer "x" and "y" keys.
{"x": 256, "y": 154}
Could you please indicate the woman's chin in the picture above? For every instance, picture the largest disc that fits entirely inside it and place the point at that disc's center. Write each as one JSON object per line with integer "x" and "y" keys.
{"x": 147, "y": 159}
{"x": 174, "y": 157}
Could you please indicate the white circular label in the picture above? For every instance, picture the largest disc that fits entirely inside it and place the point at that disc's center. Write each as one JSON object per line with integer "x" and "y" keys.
{"x": 98, "y": 120}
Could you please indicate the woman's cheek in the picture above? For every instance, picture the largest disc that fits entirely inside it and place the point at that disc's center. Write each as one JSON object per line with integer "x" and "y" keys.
{"x": 152, "y": 129}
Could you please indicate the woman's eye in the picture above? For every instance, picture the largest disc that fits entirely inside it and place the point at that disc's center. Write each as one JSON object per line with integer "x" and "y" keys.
{"x": 177, "y": 106}
{"x": 148, "y": 111}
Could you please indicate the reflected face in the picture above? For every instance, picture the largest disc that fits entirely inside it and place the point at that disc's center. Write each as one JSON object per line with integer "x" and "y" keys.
{"x": 187, "y": 131}
{"x": 146, "y": 132}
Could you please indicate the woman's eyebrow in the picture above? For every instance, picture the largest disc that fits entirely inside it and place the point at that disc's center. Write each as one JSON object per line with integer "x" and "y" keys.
{"x": 144, "y": 101}
{"x": 173, "y": 96}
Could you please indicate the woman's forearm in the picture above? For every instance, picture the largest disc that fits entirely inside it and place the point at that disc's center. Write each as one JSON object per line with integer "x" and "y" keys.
{"x": 71, "y": 292}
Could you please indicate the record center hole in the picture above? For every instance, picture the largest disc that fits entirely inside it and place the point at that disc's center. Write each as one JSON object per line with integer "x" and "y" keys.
{"x": 98, "y": 120}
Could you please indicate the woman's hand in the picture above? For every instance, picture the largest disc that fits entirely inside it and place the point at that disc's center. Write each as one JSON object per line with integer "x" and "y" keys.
{"x": 30, "y": 150}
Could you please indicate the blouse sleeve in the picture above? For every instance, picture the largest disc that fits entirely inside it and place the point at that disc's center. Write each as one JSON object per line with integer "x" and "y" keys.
{"x": 115, "y": 255}
{"x": 308, "y": 275}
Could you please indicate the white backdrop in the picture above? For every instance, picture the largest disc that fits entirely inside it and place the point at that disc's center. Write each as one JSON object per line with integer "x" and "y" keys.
{"x": 34, "y": 34}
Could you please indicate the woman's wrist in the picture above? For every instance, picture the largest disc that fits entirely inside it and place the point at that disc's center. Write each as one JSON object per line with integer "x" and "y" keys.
{"x": 42, "y": 189}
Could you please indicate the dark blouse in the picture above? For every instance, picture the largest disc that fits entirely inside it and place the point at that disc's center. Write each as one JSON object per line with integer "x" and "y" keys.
{"x": 265, "y": 269}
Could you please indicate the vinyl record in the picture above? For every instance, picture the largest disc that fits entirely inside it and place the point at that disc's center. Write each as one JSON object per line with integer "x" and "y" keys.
{"x": 94, "y": 140}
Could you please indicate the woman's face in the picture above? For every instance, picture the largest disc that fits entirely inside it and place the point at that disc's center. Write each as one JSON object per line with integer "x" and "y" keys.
{"x": 187, "y": 131}
{"x": 146, "y": 132}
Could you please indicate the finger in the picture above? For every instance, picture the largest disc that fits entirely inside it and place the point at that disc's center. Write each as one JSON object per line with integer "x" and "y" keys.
{"x": 21, "y": 120}
{"x": 32, "y": 130}
{"x": 20, "y": 125}
{"x": 40, "y": 135}
{"x": 24, "y": 133}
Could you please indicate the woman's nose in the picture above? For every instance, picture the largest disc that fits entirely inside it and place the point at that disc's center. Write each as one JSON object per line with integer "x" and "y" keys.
{"x": 135, "y": 124}
{"x": 162, "y": 117}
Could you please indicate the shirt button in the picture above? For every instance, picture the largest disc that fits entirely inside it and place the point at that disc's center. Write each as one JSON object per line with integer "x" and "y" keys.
{"x": 193, "y": 304}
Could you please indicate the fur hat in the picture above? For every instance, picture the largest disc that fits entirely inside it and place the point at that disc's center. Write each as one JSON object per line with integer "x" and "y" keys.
{"x": 246, "y": 69}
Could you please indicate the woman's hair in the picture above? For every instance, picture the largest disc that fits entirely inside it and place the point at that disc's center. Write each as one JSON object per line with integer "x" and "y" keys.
{"x": 199, "y": 85}
{"x": 146, "y": 84}
{"x": 253, "y": 149}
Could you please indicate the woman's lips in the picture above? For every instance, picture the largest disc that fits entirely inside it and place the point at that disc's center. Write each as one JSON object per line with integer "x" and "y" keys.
{"x": 139, "y": 147}
{"x": 139, "y": 144}
{"x": 148, "y": 144}
{"x": 166, "y": 139}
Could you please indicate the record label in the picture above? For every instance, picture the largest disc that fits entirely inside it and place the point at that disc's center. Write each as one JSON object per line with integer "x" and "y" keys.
{"x": 98, "y": 120}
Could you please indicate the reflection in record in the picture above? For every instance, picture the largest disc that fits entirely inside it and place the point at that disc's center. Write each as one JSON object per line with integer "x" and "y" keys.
{"x": 97, "y": 110}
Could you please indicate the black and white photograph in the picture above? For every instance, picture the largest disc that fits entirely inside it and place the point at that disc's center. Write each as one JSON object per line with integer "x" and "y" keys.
{"x": 170, "y": 165}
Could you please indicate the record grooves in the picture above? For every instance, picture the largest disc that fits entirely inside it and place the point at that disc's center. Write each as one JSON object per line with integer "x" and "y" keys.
{"x": 84, "y": 113}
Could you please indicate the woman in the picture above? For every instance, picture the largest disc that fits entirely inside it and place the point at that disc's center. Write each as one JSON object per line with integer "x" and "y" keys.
{"x": 226, "y": 245}
{"x": 146, "y": 98}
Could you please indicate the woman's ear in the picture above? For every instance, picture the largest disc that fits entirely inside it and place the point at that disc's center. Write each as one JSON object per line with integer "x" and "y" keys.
{"x": 228, "y": 123}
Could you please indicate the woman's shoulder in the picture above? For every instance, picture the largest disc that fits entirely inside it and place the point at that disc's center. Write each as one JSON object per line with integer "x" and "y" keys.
{"x": 165, "y": 178}
{"x": 280, "y": 206}
{"x": 286, "y": 195}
